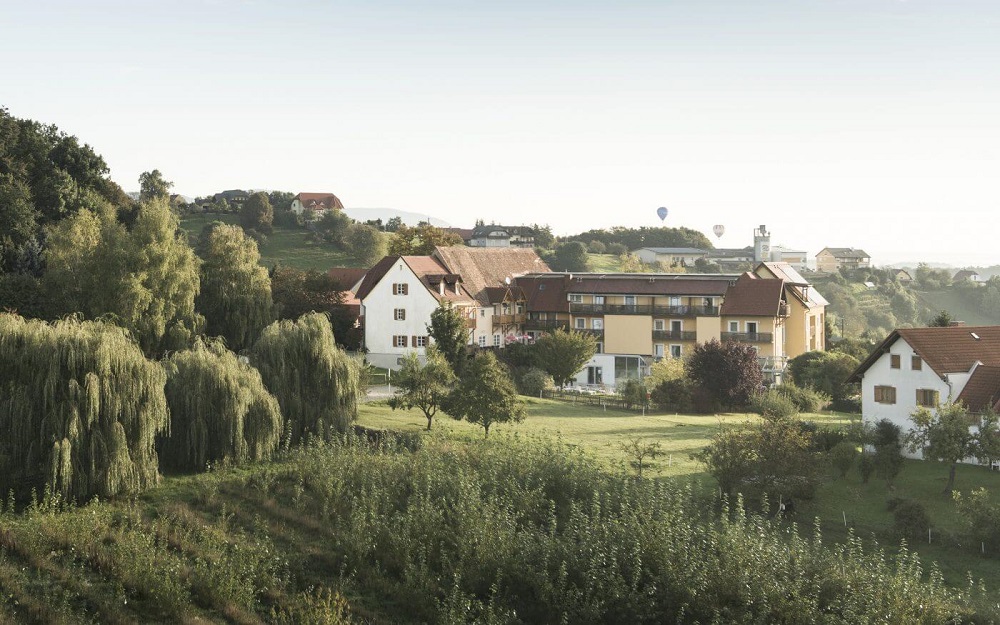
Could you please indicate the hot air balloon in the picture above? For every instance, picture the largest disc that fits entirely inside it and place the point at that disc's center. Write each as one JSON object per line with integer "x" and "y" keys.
{"x": 662, "y": 212}
{"x": 719, "y": 230}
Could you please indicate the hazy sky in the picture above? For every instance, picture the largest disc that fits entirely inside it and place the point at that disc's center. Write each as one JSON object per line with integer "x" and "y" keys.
{"x": 864, "y": 123}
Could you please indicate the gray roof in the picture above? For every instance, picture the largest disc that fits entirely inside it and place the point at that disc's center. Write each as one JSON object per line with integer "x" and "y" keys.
{"x": 674, "y": 250}
{"x": 845, "y": 252}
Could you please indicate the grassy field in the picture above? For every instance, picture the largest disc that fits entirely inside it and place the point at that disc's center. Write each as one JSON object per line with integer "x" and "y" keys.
{"x": 601, "y": 433}
{"x": 603, "y": 263}
{"x": 955, "y": 303}
{"x": 293, "y": 247}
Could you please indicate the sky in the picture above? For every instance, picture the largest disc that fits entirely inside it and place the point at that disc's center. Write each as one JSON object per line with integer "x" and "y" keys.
{"x": 872, "y": 124}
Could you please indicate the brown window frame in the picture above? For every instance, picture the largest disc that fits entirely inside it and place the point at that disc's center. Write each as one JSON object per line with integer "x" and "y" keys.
{"x": 916, "y": 363}
{"x": 399, "y": 314}
{"x": 922, "y": 396}
{"x": 894, "y": 361}
{"x": 399, "y": 340}
{"x": 400, "y": 288}
{"x": 885, "y": 394}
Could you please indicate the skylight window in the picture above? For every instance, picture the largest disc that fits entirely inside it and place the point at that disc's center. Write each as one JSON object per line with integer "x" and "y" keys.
{"x": 974, "y": 335}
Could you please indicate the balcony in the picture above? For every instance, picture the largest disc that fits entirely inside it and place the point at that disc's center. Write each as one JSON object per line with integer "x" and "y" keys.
{"x": 773, "y": 364}
{"x": 672, "y": 335}
{"x": 545, "y": 324}
{"x": 748, "y": 337}
{"x": 508, "y": 320}
{"x": 597, "y": 334}
{"x": 644, "y": 309}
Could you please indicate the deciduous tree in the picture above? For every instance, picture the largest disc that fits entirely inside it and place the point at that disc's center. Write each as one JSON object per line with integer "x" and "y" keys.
{"x": 730, "y": 372}
{"x": 485, "y": 394}
{"x": 317, "y": 385}
{"x": 943, "y": 434}
{"x": 563, "y": 353}
{"x": 153, "y": 186}
{"x": 235, "y": 295}
{"x": 423, "y": 386}
{"x": 81, "y": 409}
{"x": 450, "y": 332}
{"x": 220, "y": 410}
{"x": 421, "y": 241}
{"x": 571, "y": 256}
{"x": 366, "y": 244}
{"x": 257, "y": 213}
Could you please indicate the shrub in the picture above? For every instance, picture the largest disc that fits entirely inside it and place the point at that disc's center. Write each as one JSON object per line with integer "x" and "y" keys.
{"x": 909, "y": 518}
{"x": 805, "y": 399}
{"x": 980, "y": 516}
{"x": 633, "y": 393}
{"x": 842, "y": 457}
{"x": 534, "y": 381}
{"x": 826, "y": 440}
{"x": 773, "y": 405}
{"x": 673, "y": 395}
{"x": 866, "y": 466}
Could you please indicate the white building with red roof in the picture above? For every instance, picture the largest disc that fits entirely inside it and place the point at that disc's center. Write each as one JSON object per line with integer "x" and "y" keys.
{"x": 315, "y": 205}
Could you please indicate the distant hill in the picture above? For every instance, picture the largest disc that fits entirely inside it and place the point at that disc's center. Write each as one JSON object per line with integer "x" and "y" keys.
{"x": 385, "y": 214}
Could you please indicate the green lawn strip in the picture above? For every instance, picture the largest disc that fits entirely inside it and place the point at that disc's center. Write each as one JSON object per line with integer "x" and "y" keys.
{"x": 293, "y": 247}
{"x": 603, "y": 263}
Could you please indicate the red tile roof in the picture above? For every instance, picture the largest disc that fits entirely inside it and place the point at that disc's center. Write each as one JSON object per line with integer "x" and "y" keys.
{"x": 375, "y": 275}
{"x": 483, "y": 267}
{"x": 946, "y": 350}
{"x": 544, "y": 293}
{"x": 347, "y": 277}
{"x": 982, "y": 390}
{"x": 319, "y": 201}
{"x": 753, "y": 297}
{"x": 431, "y": 273}
{"x": 647, "y": 284}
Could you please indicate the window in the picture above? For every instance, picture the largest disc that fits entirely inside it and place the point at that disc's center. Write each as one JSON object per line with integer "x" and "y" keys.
{"x": 658, "y": 325}
{"x": 420, "y": 341}
{"x": 751, "y": 327}
{"x": 600, "y": 348}
{"x": 675, "y": 351}
{"x": 675, "y": 326}
{"x": 894, "y": 361}
{"x": 482, "y": 312}
{"x": 675, "y": 300}
{"x": 630, "y": 300}
{"x": 580, "y": 323}
{"x": 576, "y": 298}
{"x": 496, "y": 340}
{"x": 885, "y": 394}
{"x": 597, "y": 324}
{"x": 400, "y": 288}
{"x": 595, "y": 375}
{"x": 482, "y": 341}
{"x": 734, "y": 326}
{"x": 927, "y": 397}
{"x": 658, "y": 350}
{"x": 399, "y": 340}
{"x": 399, "y": 314}
{"x": 599, "y": 300}
{"x": 915, "y": 363}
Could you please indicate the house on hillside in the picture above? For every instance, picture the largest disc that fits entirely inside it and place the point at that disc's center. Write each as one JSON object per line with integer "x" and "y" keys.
{"x": 492, "y": 235}
{"x": 682, "y": 256}
{"x": 735, "y": 260}
{"x": 967, "y": 275}
{"x": 929, "y": 366}
{"x": 832, "y": 259}
{"x": 233, "y": 197}
{"x": 901, "y": 275}
{"x": 313, "y": 206}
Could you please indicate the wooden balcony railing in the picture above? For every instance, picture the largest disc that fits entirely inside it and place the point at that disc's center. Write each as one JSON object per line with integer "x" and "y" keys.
{"x": 748, "y": 337}
{"x": 674, "y": 335}
{"x": 645, "y": 309}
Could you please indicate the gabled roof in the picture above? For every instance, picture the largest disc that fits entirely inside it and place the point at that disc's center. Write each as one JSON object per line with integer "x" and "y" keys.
{"x": 375, "y": 275}
{"x": 964, "y": 274}
{"x": 500, "y": 294}
{"x": 954, "y": 349}
{"x": 465, "y": 233}
{"x": 845, "y": 252}
{"x": 544, "y": 292}
{"x": 482, "y": 267}
{"x": 804, "y": 291}
{"x": 347, "y": 277}
{"x": 319, "y": 201}
{"x": 432, "y": 273}
{"x": 753, "y": 297}
{"x": 982, "y": 390}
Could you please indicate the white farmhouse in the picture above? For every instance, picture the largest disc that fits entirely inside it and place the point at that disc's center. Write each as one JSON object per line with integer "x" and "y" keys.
{"x": 928, "y": 366}
{"x": 397, "y": 298}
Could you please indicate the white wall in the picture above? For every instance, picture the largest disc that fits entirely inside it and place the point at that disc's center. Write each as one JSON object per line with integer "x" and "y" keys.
{"x": 380, "y": 325}
{"x": 906, "y": 381}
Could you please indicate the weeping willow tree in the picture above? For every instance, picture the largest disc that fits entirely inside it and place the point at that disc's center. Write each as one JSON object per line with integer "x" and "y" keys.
{"x": 235, "y": 295}
{"x": 80, "y": 408}
{"x": 315, "y": 381}
{"x": 219, "y": 410}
